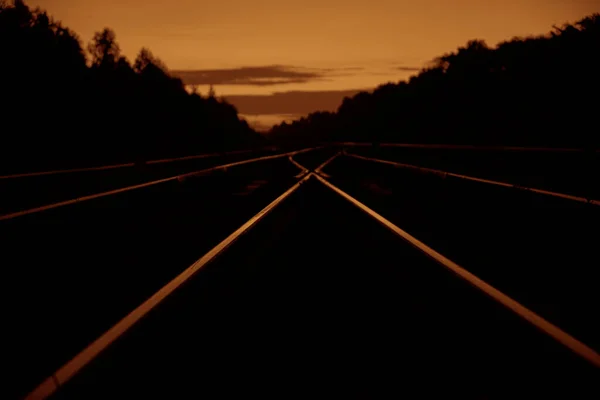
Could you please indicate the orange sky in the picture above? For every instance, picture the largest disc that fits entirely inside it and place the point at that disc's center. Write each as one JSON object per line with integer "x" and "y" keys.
{"x": 313, "y": 45}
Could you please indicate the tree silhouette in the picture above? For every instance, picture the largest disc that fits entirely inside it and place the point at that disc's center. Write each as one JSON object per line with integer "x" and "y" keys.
{"x": 60, "y": 112}
{"x": 104, "y": 50}
{"x": 147, "y": 62}
{"x": 535, "y": 91}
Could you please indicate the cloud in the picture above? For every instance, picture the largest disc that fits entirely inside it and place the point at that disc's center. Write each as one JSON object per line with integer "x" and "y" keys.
{"x": 271, "y": 106}
{"x": 268, "y": 75}
{"x": 292, "y": 102}
{"x": 272, "y": 75}
{"x": 251, "y": 76}
{"x": 352, "y": 69}
{"x": 408, "y": 69}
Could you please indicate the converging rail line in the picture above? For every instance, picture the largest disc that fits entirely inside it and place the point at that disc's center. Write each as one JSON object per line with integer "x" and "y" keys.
{"x": 444, "y": 174}
{"x": 466, "y": 147}
{"x": 124, "y": 165}
{"x": 76, "y": 364}
{"x": 147, "y": 184}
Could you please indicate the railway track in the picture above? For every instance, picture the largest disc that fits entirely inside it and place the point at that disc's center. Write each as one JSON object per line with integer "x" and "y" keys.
{"x": 316, "y": 291}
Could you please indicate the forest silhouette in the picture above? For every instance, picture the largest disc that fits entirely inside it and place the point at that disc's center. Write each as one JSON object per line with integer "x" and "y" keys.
{"x": 62, "y": 108}
{"x": 534, "y": 91}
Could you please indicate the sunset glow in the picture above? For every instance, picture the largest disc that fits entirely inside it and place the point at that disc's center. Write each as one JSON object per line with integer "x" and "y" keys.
{"x": 315, "y": 46}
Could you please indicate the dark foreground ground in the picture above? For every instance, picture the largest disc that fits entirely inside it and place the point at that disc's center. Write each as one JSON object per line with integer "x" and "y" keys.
{"x": 74, "y": 271}
{"x": 35, "y": 191}
{"x": 571, "y": 172}
{"x": 540, "y": 250}
{"x": 316, "y": 299}
{"x": 321, "y": 300}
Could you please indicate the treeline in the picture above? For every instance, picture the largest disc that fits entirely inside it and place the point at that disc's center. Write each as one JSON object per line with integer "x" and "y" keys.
{"x": 542, "y": 91}
{"x": 62, "y": 107}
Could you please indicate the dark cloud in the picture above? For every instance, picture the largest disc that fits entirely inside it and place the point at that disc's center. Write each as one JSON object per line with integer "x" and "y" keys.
{"x": 293, "y": 102}
{"x": 352, "y": 69}
{"x": 251, "y": 76}
{"x": 268, "y": 75}
{"x": 271, "y": 75}
{"x": 408, "y": 69}
{"x": 343, "y": 69}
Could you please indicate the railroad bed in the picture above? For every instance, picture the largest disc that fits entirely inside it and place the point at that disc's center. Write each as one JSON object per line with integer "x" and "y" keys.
{"x": 314, "y": 296}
